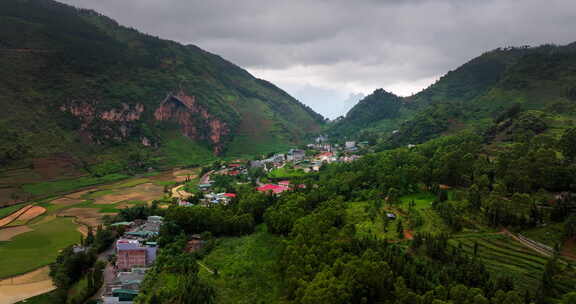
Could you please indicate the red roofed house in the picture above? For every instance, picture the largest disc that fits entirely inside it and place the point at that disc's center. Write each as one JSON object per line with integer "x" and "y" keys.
{"x": 233, "y": 172}
{"x": 276, "y": 189}
{"x": 284, "y": 183}
{"x": 230, "y": 195}
{"x": 326, "y": 156}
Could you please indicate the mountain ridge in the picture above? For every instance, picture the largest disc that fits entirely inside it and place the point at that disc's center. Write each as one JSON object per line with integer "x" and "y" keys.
{"x": 93, "y": 83}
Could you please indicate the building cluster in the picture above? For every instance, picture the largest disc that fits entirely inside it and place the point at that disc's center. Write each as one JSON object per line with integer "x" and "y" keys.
{"x": 134, "y": 254}
{"x": 279, "y": 159}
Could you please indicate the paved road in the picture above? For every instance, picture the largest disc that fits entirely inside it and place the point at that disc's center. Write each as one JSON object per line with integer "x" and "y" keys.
{"x": 109, "y": 272}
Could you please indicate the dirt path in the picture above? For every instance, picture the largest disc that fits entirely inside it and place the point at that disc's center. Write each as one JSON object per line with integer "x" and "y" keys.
{"x": 540, "y": 248}
{"x": 569, "y": 249}
{"x": 177, "y": 193}
{"x": 25, "y": 286}
{"x": 206, "y": 177}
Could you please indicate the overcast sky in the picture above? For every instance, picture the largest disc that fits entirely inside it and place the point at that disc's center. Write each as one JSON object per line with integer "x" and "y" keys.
{"x": 327, "y": 53}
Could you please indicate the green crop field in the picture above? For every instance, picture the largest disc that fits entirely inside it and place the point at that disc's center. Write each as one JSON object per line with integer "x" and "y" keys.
{"x": 8, "y": 210}
{"x": 502, "y": 255}
{"x": 37, "y": 248}
{"x": 60, "y": 186}
{"x": 247, "y": 268}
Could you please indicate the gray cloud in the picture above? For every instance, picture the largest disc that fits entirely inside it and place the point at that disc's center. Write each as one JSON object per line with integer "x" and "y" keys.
{"x": 312, "y": 47}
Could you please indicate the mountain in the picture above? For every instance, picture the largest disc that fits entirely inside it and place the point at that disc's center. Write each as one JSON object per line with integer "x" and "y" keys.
{"x": 525, "y": 81}
{"x": 78, "y": 84}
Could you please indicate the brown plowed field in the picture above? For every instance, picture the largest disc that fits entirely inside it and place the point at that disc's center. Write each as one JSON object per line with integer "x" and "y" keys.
{"x": 12, "y": 217}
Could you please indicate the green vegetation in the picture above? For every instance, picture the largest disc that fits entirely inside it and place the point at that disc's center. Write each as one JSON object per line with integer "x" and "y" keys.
{"x": 180, "y": 151}
{"x": 46, "y": 298}
{"x": 61, "y": 186}
{"x": 9, "y": 210}
{"x": 37, "y": 248}
{"x": 501, "y": 255}
{"x": 109, "y": 68}
{"x": 242, "y": 264}
{"x": 505, "y": 94}
{"x": 285, "y": 173}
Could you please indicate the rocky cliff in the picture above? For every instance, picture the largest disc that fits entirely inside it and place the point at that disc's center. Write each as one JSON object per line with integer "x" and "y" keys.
{"x": 193, "y": 120}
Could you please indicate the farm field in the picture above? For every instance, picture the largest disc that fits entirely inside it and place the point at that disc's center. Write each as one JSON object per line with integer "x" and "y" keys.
{"x": 36, "y": 283}
{"x": 31, "y": 250}
{"x": 502, "y": 255}
{"x": 244, "y": 264}
{"x": 40, "y": 230}
{"x": 7, "y": 210}
{"x": 60, "y": 186}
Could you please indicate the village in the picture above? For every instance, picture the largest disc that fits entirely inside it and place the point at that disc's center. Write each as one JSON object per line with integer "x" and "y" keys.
{"x": 273, "y": 173}
{"x": 135, "y": 251}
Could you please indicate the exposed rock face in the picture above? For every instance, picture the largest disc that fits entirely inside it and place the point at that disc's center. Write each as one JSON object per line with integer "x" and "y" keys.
{"x": 114, "y": 124}
{"x": 122, "y": 123}
{"x": 194, "y": 120}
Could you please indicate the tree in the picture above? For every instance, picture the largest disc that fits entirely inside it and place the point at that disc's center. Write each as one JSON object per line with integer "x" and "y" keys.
{"x": 569, "y": 298}
{"x": 568, "y": 143}
{"x": 400, "y": 229}
{"x": 89, "y": 237}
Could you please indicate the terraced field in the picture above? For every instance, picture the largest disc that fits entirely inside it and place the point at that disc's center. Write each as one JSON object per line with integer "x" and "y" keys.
{"x": 504, "y": 256}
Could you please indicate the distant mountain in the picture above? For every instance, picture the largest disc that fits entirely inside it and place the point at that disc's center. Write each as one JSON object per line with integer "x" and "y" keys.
{"x": 473, "y": 97}
{"x": 75, "y": 82}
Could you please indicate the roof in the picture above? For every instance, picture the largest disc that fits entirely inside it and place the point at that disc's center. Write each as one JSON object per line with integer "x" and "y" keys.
{"x": 122, "y": 224}
{"x": 124, "y": 244}
{"x": 234, "y": 165}
{"x": 229, "y": 195}
{"x": 274, "y": 188}
{"x": 128, "y": 291}
{"x": 325, "y": 154}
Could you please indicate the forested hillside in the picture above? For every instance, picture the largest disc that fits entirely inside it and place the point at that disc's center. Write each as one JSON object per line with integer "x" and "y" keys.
{"x": 469, "y": 225}
{"x": 77, "y": 83}
{"x": 477, "y": 96}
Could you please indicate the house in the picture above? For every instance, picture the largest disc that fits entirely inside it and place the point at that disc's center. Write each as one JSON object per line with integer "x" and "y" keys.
{"x": 324, "y": 156}
{"x": 296, "y": 155}
{"x": 230, "y": 195}
{"x": 131, "y": 253}
{"x": 274, "y": 189}
{"x": 285, "y": 183}
{"x": 184, "y": 204}
{"x": 391, "y": 216}
{"x": 350, "y": 144}
{"x": 233, "y": 172}
{"x": 204, "y": 187}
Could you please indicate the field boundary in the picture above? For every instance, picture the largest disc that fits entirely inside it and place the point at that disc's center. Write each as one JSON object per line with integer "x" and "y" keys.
{"x": 20, "y": 211}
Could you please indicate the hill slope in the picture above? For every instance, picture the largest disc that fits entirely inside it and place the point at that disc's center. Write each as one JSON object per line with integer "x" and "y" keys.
{"x": 76, "y": 82}
{"x": 474, "y": 96}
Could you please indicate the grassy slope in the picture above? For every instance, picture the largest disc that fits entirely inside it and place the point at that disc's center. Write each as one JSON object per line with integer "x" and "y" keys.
{"x": 37, "y": 248}
{"x": 60, "y": 186}
{"x": 246, "y": 267}
{"x": 180, "y": 151}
